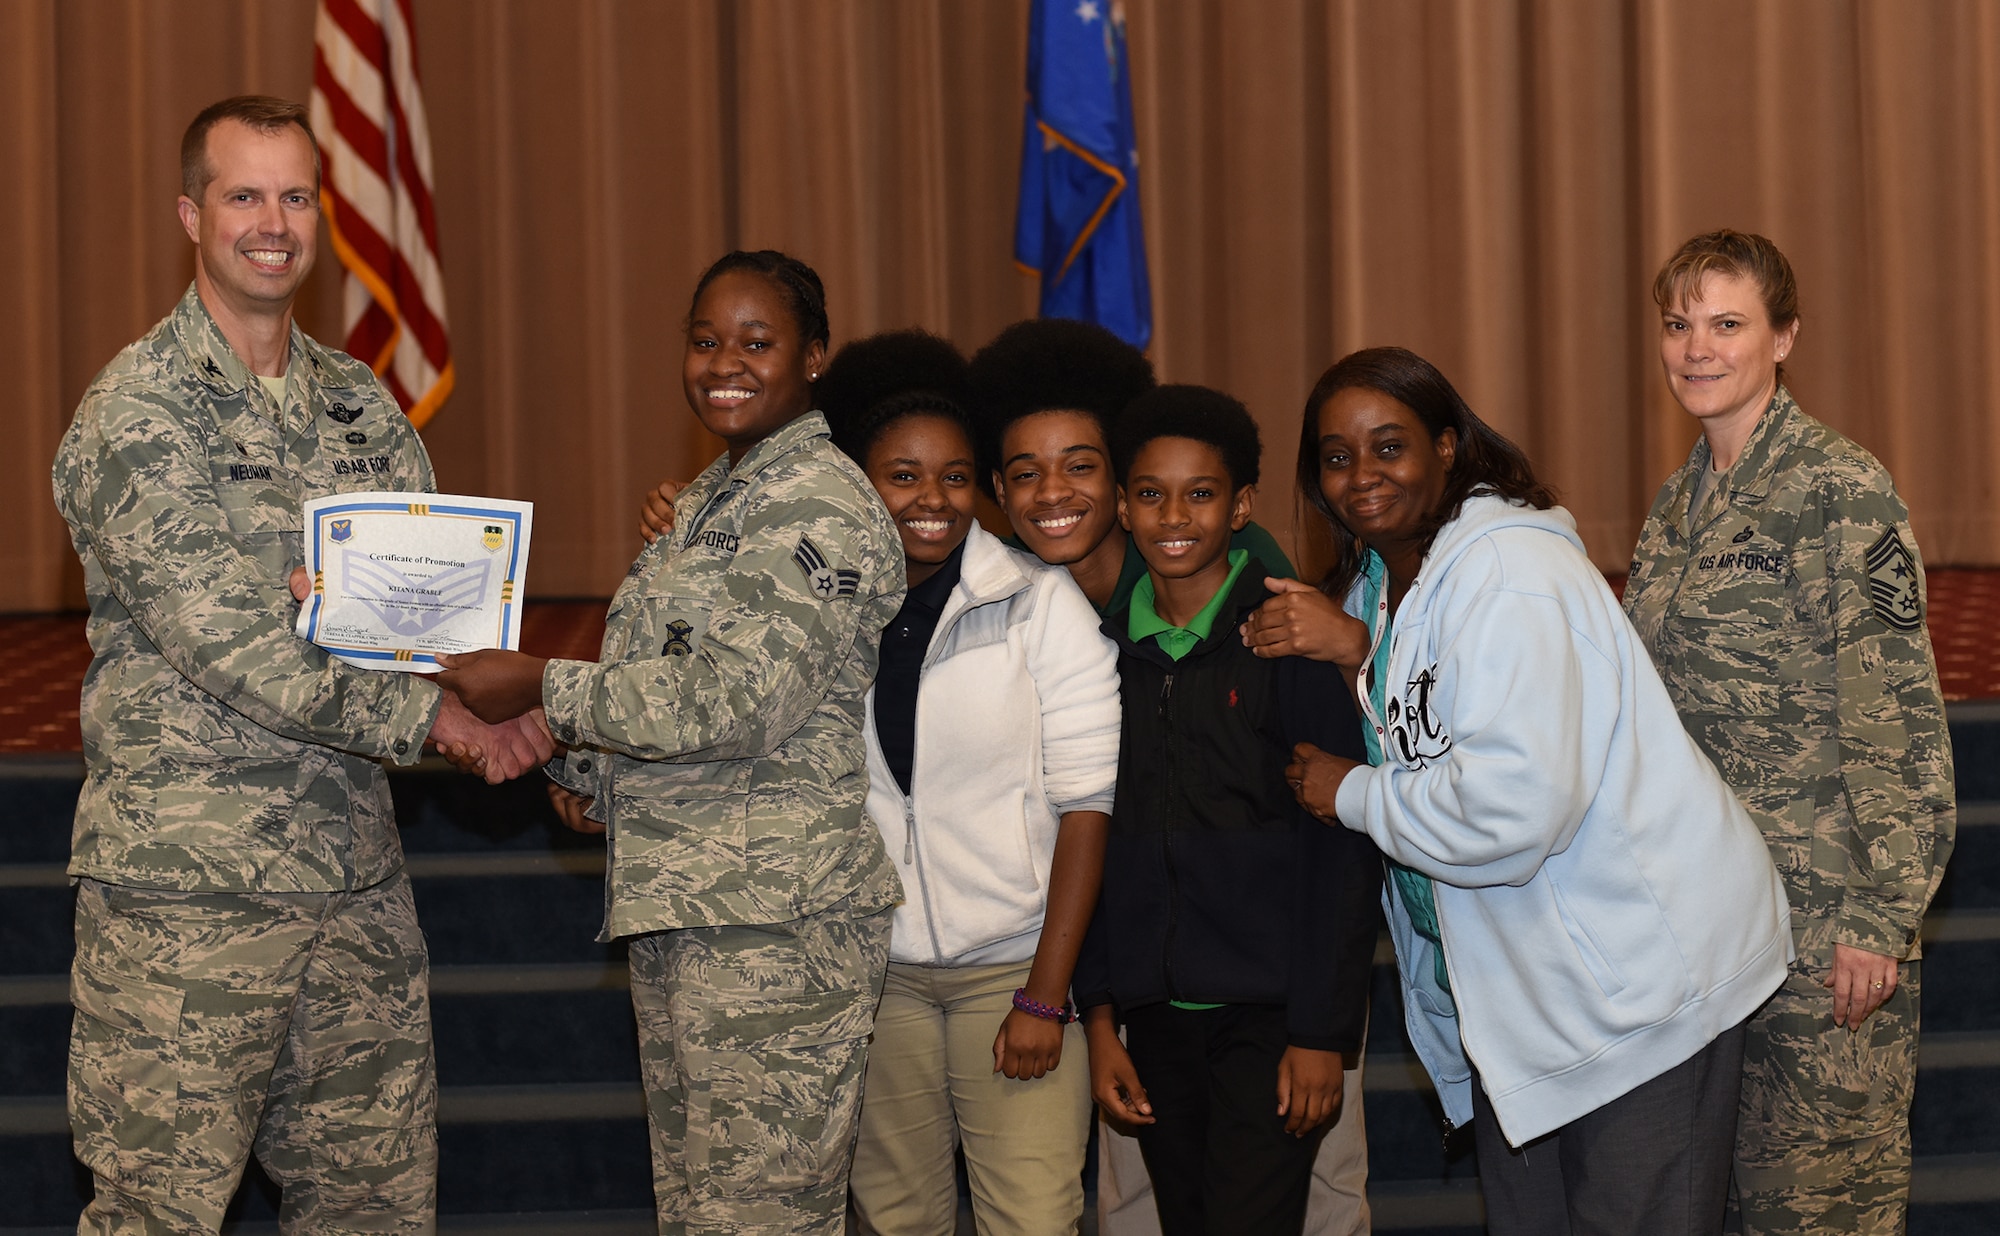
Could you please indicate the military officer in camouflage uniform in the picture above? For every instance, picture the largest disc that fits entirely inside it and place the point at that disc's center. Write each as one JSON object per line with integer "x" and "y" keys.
{"x": 248, "y": 973}
{"x": 1777, "y": 586}
{"x": 719, "y": 742}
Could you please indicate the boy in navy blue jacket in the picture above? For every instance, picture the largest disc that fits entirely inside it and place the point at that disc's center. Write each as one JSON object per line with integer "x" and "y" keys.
{"x": 1234, "y": 933}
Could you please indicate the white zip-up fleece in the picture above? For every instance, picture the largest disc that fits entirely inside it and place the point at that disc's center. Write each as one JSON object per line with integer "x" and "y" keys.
{"x": 1607, "y": 907}
{"x": 1017, "y": 723}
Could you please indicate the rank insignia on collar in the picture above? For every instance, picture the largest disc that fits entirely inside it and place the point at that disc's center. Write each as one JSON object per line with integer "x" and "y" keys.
{"x": 822, "y": 579}
{"x": 1892, "y": 583}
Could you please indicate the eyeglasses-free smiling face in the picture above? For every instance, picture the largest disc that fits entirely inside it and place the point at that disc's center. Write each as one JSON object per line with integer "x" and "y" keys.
{"x": 1720, "y": 352}
{"x": 1379, "y": 469}
{"x": 1055, "y": 483}
{"x": 923, "y": 468}
{"x": 1181, "y": 507}
{"x": 256, "y": 228}
{"x": 747, "y": 372}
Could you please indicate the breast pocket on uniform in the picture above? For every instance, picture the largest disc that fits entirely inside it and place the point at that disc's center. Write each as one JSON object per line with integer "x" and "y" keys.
{"x": 260, "y": 503}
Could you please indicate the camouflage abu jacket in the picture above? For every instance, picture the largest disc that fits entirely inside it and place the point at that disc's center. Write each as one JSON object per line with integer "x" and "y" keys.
{"x": 1789, "y": 628}
{"x": 720, "y": 732}
{"x": 221, "y": 752}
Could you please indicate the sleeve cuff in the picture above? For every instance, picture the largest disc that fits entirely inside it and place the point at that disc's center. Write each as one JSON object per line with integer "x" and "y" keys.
{"x": 412, "y": 722}
{"x": 1875, "y": 929}
{"x": 565, "y": 692}
{"x": 561, "y": 771}
{"x": 1350, "y": 801}
{"x": 1096, "y": 802}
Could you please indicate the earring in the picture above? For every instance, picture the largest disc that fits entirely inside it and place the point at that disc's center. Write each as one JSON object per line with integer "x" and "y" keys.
{"x": 813, "y": 376}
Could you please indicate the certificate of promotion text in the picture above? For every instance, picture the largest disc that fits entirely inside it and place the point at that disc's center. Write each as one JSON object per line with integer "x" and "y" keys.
{"x": 400, "y": 577}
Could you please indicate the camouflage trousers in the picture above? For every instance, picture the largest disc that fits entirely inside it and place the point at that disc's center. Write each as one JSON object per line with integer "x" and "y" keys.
{"x": 212, "y": 1025}
{"x": 752, "y": 1045}
{"x": 1823, "y": 1144}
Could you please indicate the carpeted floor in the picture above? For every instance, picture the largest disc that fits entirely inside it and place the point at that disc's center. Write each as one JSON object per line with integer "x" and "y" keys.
{"x": 43, "y": 656}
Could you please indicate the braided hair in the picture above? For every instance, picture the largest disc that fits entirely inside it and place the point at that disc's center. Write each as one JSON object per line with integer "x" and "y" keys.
{"x": 804, "y": 295}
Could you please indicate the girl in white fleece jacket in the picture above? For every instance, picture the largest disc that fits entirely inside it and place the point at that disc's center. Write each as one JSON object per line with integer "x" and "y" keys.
{"x": 992, "y": 755}
{"x": 1584, "y": 915}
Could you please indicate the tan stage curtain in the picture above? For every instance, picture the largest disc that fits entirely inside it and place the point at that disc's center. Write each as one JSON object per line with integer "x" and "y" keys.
{"x": 1489, "y": 182}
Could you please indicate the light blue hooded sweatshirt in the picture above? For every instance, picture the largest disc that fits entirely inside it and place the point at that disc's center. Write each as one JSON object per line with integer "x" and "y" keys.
{"x": 1607, "y": 907}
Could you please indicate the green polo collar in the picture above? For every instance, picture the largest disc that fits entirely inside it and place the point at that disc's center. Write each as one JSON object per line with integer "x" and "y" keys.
{"x": 1177, "y": 642}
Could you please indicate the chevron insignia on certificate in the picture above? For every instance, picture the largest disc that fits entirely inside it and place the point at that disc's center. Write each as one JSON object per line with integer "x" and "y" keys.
{"x": 400, "y": 577}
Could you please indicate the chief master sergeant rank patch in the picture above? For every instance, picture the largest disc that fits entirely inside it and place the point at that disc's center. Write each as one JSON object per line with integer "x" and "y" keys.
{"x": 1892, "y": 583}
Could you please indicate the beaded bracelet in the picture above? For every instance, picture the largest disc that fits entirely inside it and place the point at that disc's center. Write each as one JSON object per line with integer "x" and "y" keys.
{"x": 1060, "y": 1014}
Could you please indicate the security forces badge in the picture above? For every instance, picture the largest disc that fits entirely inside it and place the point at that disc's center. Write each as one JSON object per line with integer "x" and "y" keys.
{"x": 679, "y": 642}
{"x": 822, "y": 579}
{"x": 1892, "y": 583}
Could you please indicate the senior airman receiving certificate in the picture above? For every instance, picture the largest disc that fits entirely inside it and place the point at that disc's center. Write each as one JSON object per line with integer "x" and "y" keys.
{"x": 400, "y": 577}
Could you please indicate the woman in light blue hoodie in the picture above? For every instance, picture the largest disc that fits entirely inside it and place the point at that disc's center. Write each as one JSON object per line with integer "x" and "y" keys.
{"x": 1584, "y": 916}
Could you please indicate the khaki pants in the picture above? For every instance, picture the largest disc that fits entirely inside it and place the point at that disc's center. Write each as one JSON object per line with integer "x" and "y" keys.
{"x": 752, "y": 1042}
{"x": 931, "y": 1087}
{"x": 211, "y": 1024}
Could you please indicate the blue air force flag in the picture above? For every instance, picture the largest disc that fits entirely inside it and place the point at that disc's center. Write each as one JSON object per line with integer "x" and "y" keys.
{"x": 1078, "y": 220}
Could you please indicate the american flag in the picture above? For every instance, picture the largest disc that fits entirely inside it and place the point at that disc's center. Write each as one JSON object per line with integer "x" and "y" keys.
{"x": 368, "y": 113}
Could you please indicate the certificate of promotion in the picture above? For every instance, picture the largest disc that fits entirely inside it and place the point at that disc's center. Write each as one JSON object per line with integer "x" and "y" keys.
{"x": 400, "y": 577}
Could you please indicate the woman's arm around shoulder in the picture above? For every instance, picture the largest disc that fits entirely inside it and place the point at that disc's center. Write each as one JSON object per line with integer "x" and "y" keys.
{"x": 814, "y": 575}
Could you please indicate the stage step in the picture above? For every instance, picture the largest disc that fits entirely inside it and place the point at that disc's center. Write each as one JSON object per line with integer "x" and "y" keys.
{"x": 541, "y": 1125}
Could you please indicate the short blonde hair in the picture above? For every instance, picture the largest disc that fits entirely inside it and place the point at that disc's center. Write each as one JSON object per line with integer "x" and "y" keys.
{"x": 1745, "y": 255}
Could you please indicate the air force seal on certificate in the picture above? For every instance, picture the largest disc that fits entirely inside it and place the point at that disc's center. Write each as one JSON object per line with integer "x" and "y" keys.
{"x": 1892, "y": 583}
{"x": 823, "y": 580}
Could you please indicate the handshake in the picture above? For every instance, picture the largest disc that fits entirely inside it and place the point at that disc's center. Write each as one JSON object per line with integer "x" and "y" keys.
{"x": 491, "y": 724}
{"x": 490, "y": 721}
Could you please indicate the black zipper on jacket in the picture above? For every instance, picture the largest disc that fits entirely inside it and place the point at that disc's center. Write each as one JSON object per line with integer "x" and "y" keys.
{"x": 1167, "y": 839}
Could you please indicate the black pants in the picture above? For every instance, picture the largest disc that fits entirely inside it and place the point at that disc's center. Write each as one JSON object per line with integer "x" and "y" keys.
{"x": 1221, "y": 1161}
{"x": 1653, "y": 1160}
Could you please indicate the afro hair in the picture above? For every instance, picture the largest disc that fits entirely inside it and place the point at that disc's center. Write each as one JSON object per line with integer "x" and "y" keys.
{"x": 873, "y": 382}
{"x": 1052, "y": 364}
{"x": 1198, "y": 412}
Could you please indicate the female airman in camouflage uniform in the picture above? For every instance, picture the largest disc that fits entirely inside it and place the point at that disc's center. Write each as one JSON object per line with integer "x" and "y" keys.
{"x": 718, "y": 740}
{"x": 1778, "y": 588}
